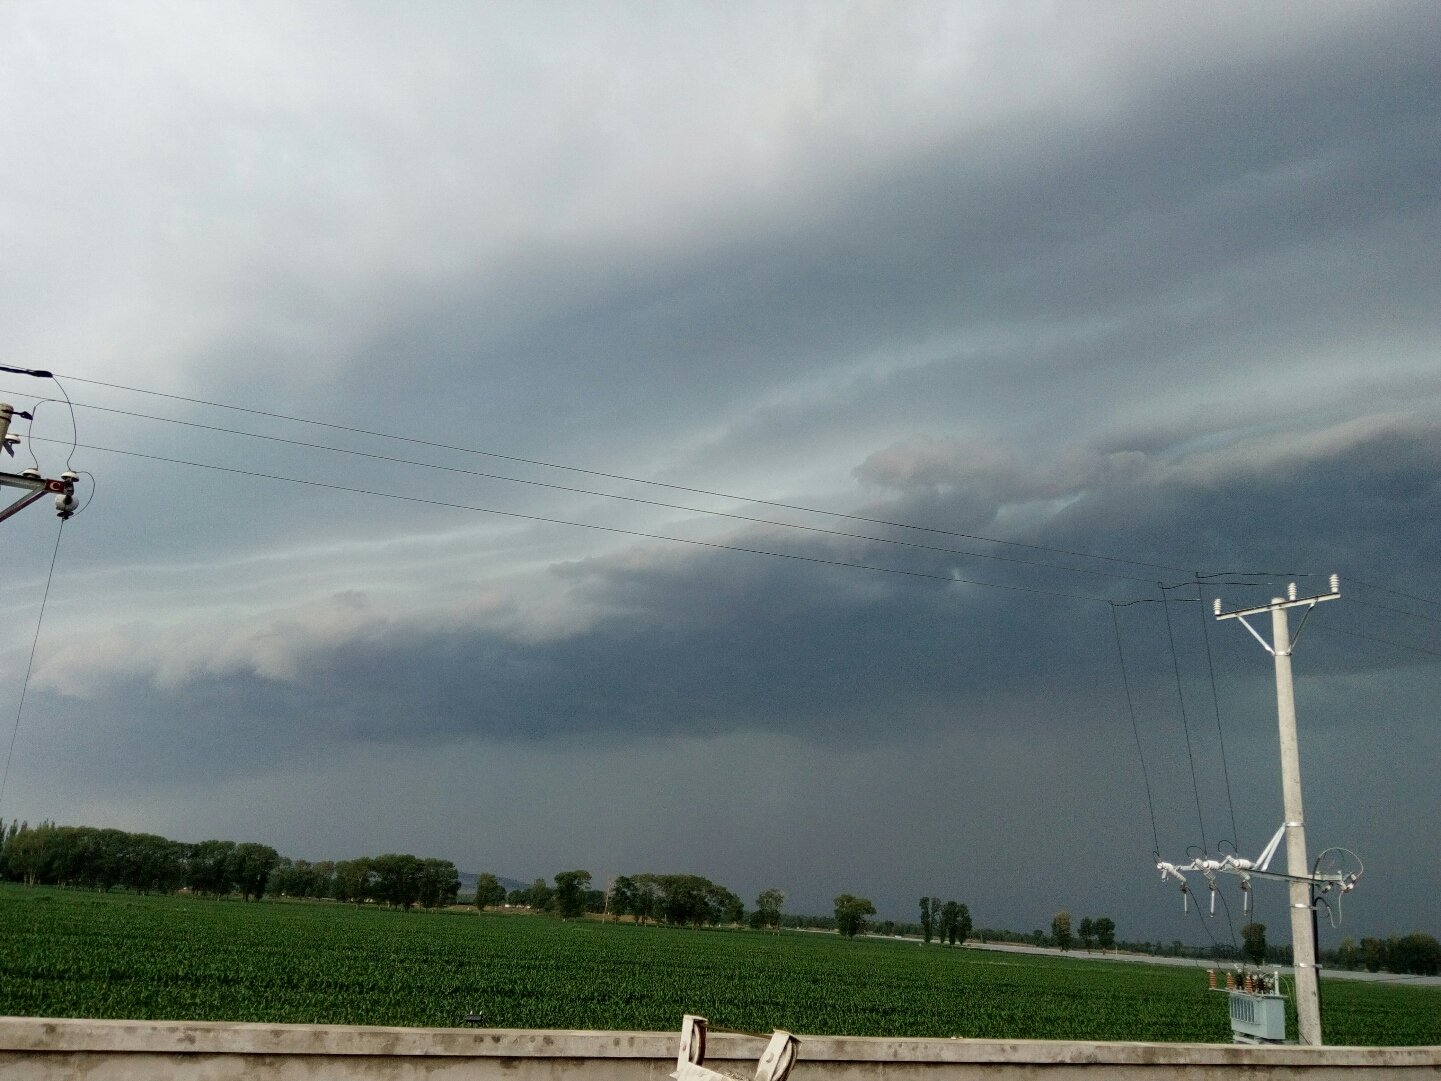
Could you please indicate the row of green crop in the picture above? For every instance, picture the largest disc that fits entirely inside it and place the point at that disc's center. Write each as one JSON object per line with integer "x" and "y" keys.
{"x": 68, "y": 954}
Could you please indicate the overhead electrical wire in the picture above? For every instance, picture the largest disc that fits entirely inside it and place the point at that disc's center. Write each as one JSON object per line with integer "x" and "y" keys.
{"x": 354, "y": 429}
{"x": 1185, "y": 726}
{"x": 1395, "y": 592}
{"x": 622, "y": 477}
{"x": 955, "y": 579}
{"x": 1382, "y": 641}
{"x": 64, "y": 396}
{"x": 1396, "y": 611}
{"x": 1116, "y": 560}
{"x": 625, "y": 498}
{"x": 641, "y": 500}
{"x": 704, "y": 511}
{"x": 1351, "y": 580}
{"x": 1220, "y": 736}
{"x": 1136, "y": 731}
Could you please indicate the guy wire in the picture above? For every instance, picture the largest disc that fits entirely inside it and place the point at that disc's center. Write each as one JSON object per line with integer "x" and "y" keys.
{"x": 30, "y": 665}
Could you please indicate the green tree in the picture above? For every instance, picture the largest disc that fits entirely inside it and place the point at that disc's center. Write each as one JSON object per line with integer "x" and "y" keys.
{"x": 250, "y": 865}
{"x": 851, "y": 913}
{"x": 489, "y": 893}
{"x": 963, "y": 924}
{"x": 647, "y": 898}
{"x": 926, "y": 919}
{"x": 397, "y": 879}
{"x": 570, "y": 890}
{"x": 1373, "y": 950}
{"x": 7, "y": 834}
{"x": 768, "y": 909}
{"x": 25, "y": 853}
{"x": 438, "y": 883}
{"x": 208, "y": 867}
{"x": 1087, "y": 931}
{"x": 1349, "y": 955}
{"x": 1061, "y": 929}
{"x": 540, "y": 895}
{"x": 1105, "y": 929}
{"x": 156, "y": 865}
{"x": 1253, "y": 943}
{"x": 950, "y": 922}
{"x": 623, "y": 901}
{"x": 732, "y": 908}
{"x": 1417, "y": 954}
{"x": 354, "y": 880}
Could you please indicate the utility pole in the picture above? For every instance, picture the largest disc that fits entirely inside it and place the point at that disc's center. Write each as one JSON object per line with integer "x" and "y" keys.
{"x": 1298, "y": 873}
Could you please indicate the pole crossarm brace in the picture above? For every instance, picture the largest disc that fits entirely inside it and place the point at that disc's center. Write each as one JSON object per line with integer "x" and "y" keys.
{"x": 1257, "y": 868}
{"x": 1290, "y": 601}
{"x": 29, "y": 481}
{"x": 35, "y": 488}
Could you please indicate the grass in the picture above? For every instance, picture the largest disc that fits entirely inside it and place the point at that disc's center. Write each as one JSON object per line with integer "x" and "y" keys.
{"x": 74, "y": 954}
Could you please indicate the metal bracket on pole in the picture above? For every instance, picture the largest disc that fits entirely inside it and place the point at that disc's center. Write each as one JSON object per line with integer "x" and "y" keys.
{"x": 35, "y": 488}
{"x": 30, "y": 482}
{"x": 1258, "y": 868}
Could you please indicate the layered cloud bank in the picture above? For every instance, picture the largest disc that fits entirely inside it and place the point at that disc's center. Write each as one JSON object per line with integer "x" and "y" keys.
{"x": 1047, "y": 309}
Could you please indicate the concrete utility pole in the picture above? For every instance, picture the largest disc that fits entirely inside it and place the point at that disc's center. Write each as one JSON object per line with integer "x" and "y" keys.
{"x": 1301, "y": 881}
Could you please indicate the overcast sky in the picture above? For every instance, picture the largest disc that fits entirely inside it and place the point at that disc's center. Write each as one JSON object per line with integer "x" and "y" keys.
{"x": 1017, "y": 310}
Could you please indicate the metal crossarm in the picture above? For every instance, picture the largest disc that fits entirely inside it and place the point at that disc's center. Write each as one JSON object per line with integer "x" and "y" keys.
{"x": 35, "y": 488}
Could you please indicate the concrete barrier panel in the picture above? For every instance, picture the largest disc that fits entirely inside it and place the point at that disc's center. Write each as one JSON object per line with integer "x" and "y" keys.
{"x": 52, "y": 1049}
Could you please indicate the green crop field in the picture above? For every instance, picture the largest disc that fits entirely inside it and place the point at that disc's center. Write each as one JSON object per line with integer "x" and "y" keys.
{"x": 73, "y": 954}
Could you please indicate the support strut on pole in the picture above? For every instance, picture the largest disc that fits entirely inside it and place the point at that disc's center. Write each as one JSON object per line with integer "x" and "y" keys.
{"x": 33, "y": 487}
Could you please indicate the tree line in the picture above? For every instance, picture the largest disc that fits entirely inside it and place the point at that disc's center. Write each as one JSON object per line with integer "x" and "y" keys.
{"x": 673, "y": 899}
{"x": 571, "y": 896}
{"x": 680, "y": 900}
{"x": 1100, "y": 931}
{"x": 1416, "y": 954}
{"x": 87, "y": 857}
{"x": 951, "y": 922}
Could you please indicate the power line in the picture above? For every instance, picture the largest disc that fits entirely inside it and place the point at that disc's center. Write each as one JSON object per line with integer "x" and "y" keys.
{"x": 1382, "y": 641}
{"x": 622, "y": 477}
{"x": 1136, "y": 730}
{"x": 1220, "y": 736}
{"x": 954, "y": 579}
{"x": 1185, "y": 726}
{"x": 612, "y": 495}
{"x": 1395, "y": 592}
{"x": 1396, "y": 611}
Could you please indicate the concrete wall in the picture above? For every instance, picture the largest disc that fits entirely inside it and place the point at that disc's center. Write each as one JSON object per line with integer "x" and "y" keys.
{"x": 40, "y": 1049}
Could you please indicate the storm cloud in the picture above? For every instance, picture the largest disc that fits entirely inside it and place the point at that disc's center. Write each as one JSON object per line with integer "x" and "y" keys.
{"x": 933, "y": 334}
